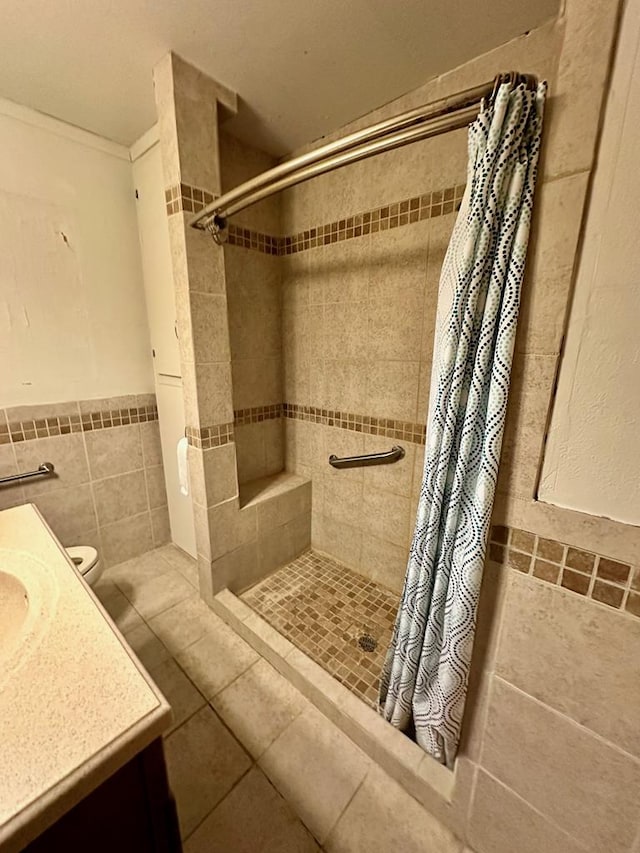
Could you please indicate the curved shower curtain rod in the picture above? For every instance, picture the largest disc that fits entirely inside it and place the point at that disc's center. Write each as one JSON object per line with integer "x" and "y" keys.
{"x": 446, "y": 114}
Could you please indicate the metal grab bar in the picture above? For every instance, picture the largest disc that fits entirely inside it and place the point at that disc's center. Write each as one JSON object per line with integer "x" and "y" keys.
{"x": 45, "y": 469}
{"x": 386, "y": 457}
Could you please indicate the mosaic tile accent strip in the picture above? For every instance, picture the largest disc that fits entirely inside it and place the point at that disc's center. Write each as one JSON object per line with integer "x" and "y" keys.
{"x": 389, "y": 427}
{"x": 394, "y": 215}
{"x": 582, "y": 572}
{"x": 45, "y": 427}
{"x": 187, "y": 198}
{"x": 205, "y": 438}
{"x": 256, "y": 240}
{"x": 257, "y": 414}
{"x": 333, "y": 615}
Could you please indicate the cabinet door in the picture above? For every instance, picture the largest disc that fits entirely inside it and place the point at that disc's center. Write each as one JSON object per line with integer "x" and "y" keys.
{"x": 157, "y": 270}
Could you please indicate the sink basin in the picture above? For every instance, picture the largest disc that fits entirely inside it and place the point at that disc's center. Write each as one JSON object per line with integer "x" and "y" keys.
{"x": 28, "y": 600}
{"x": 14, "y": 608}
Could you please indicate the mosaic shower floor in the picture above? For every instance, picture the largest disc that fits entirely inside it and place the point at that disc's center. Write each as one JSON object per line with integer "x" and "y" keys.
{"x": 339, "y": 618}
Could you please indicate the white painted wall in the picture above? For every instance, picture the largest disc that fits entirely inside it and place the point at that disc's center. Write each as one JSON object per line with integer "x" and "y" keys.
{"x": 73, "y": 321}
{"x": 592, "y": 460}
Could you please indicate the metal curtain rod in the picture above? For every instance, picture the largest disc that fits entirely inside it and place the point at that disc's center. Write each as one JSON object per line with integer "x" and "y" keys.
{"x": 440, "y": 116}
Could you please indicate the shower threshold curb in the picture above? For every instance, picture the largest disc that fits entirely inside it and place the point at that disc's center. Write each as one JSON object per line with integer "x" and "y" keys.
{"x": 429, "y": 782}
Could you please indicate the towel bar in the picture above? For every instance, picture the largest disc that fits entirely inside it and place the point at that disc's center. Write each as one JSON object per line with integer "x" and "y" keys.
{"x": 386, "y": 457}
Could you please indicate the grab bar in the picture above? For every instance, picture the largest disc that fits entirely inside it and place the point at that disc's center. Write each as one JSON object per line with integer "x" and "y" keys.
{"x": 45, "y": 469}
{"x": 383, "y": 458}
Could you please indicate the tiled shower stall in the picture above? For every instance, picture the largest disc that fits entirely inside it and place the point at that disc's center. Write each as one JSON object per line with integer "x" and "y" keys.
{"x": 308, "y": 333}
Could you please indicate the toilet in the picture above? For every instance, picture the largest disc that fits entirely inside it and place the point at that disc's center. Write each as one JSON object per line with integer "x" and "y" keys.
{"x": 85, "y": 559}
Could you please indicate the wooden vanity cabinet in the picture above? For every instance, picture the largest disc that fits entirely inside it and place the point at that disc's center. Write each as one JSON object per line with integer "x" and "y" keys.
{"x": 133, "y": 811}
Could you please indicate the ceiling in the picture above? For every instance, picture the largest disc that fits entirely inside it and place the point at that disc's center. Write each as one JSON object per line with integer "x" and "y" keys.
{"x": 301, "y": 68}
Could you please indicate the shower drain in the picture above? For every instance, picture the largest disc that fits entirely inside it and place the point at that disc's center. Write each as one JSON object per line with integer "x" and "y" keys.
{"x": 368, "y": 643}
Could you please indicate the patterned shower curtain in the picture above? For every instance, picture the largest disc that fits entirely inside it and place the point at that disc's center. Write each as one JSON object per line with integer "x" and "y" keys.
{"x": 424, "y": 679}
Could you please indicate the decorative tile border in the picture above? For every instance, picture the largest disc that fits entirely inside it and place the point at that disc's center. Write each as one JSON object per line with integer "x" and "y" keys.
{"x": 582, "y": 572}
{"x": 205, "y": 438}
{"x": 256, "y": 240}
{"x": 257, "y": 414}
{"x": 404, "y": 430}
{"x": 187, "y": 198}
{"x": 45, "y": 427}
{"x": 394, "y": 215}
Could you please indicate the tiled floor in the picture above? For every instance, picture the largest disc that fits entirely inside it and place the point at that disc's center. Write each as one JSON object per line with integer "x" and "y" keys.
{"x": 326, "y": 610}
{"x": 254, "y": 766}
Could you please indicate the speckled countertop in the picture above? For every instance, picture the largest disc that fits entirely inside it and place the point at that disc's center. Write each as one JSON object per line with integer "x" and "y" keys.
{"x": 75, "y": 703}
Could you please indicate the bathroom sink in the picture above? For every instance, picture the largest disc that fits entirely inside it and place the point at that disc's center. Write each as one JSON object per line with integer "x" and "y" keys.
{"x": 14, "y": 608}
{"x": 28, "y": 600}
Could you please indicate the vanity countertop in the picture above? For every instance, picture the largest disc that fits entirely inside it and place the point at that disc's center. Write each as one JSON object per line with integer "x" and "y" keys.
{"x": 75, "y": 703}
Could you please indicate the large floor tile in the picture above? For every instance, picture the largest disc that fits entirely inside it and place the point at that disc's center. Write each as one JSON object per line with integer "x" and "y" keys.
{"x": 216, "y": 659}
{"x": 117, "y": 606}
{"x": 258, "y": 706}
{"x": 137, "y": 570}
{"x": 146, "y": 645}
{"x": 584, "y": 785}
{"x": 184, "y": 623}
{"x": 183, "y": 696}
{"x": 154, "y": 596}
{"x": 316, "y": 768}
{"x": 181, "y": 562}
{"x": 384, "y": 818}
{"x": 253, "y": 818}
{"x": 204, "y": 763}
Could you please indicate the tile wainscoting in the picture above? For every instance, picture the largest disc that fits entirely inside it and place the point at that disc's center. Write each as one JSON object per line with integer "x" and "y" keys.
{"x": 587, "y": 574}
{"x": 108, "y": 489}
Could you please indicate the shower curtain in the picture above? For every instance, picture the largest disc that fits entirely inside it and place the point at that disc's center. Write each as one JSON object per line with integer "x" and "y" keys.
{"x": 424, "y": 679}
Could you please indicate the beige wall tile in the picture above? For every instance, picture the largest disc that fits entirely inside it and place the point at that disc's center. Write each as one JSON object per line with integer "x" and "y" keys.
{"x": 316, "y": 768}
{"x": 343, "y": 268}
{"x": 68, "y": 512}
{"x": 67, "y": 454}
{"x": 501, "y": 822}
{"x": 205, "y": 260}
{"x": 574, "y": 778}
{"x": 386, "y": 516}
{"x": 151, "y": 447}
{"x": 212, "y": 474}
{"x": 396, "y": 478}
{"x": 384, "y": 562}
{"x": 113, "y": 451}
{"x": 10, "y": 495}
{"x": 342, "y": 386}
{"x": 397, "y": 264}
{"x": 231, "y": 527}
{"x": 156, "y": 488}
{"x": 215, "y": 401}
{"x": 120, "y": 497}
{"x": 392, "y": 389}
{"x": 281, "y": 508}
{"x": 160, "y": 526}
{"x": 573, "y": 636}
{"x": 394, "y": 333}
{"x": 256, "y": 382}
{"x": 344, "y": 330}
{"x": 210, "y": 335}
{"x": 342, "y": 501}
{"x": 334, "y": 537}
{"x": 126, "y": 539}
{"x": 237, "y": 569}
